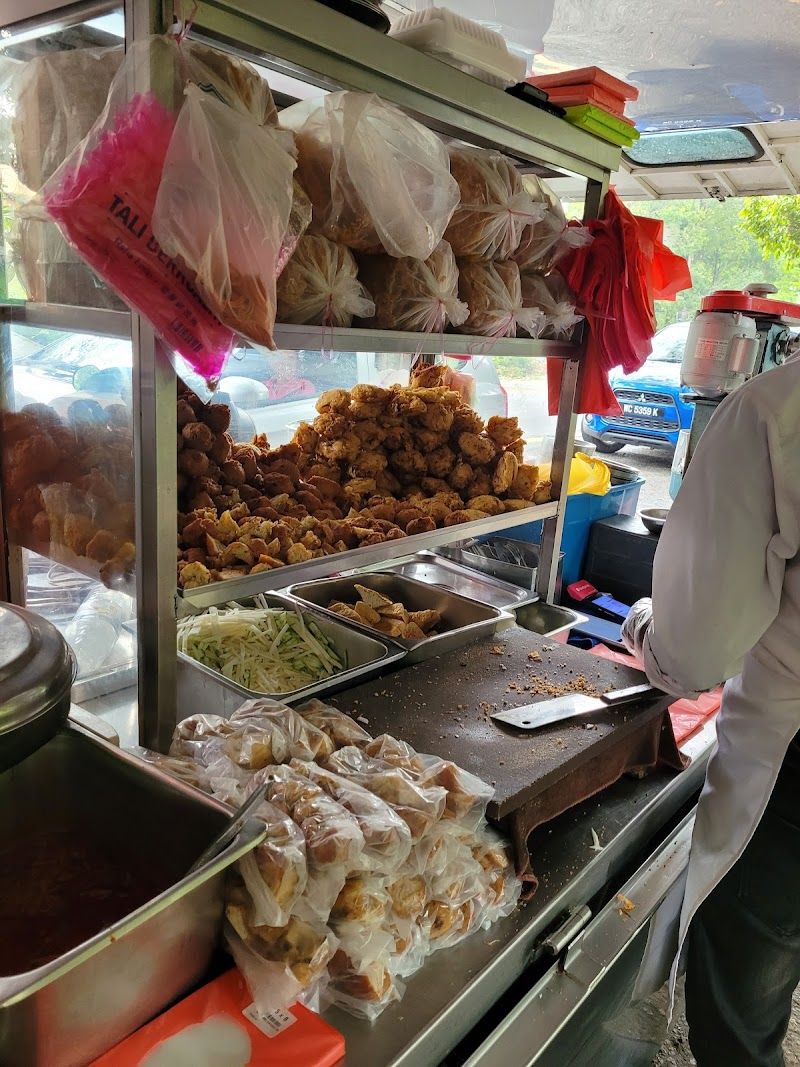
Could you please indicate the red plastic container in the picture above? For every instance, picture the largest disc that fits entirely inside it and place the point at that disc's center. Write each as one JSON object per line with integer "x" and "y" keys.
{"x": 586, "y": 93}
{"x": 592, "y": 76}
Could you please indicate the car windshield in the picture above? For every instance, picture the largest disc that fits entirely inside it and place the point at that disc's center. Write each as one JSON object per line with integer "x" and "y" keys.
{"x": 669, "y": 343}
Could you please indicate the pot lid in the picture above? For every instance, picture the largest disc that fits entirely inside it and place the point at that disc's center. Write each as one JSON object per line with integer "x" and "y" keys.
{"x": 36, "y": 667}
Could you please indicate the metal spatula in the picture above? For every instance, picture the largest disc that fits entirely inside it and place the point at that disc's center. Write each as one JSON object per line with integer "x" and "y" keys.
{"x": 230, "y": 829}
{"x": 545, "y": 712}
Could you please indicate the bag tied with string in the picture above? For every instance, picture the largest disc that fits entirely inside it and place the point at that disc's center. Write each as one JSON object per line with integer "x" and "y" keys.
{"x": 495, "y": 206}
{"x": 493, "y": 294}
{"x": 320, "y": 286}
{"x": 420, "y": 295}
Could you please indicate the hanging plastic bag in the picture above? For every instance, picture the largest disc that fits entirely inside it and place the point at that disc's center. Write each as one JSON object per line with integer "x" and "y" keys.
{"x": 320, "y": 286}
{"x": 553, "y": 297}
{"x": 545, "y": 240}
{"x": 223, "y": 209}
{"x": 299, "y": 221}
{"x": 376, "y": 178}
{"x": 495, "y": 207}
{"x": 493, "y": 293}
{"x": 420, "y": 295}
{"x": 104, "y": 193}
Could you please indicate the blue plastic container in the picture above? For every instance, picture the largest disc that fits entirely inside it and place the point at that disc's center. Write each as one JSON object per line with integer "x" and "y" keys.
{"x": 582, "y": 510}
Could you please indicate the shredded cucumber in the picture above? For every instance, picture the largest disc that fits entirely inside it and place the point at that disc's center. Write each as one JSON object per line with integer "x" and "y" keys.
{"x": 266, "y": 650}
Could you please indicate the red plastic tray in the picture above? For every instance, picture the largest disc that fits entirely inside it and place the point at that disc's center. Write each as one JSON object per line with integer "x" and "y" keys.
{"x": 586, "y": 93}
{"x": 586, "y": 75}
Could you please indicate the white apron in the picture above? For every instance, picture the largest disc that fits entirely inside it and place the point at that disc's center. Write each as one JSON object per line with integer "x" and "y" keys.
{"x": 726, "y": 605}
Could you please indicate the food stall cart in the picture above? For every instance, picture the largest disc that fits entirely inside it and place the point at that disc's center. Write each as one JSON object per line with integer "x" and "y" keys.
{"x": 593, "y": 860}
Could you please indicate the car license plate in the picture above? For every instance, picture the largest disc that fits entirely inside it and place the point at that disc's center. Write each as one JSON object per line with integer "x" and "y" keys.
{"x": 646, "y": 410}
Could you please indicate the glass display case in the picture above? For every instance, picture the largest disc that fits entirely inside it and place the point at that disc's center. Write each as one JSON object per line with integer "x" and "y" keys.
{"x": 89, "y": 482}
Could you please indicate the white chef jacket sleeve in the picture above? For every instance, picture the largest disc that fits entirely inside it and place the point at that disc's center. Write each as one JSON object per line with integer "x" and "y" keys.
{"x": 719, "y": 567}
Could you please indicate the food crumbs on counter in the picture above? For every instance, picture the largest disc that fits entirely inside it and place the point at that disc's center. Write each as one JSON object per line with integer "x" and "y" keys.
{"x": 503, "y": 667}
{"x": 535, "y": 656}
{"x": 497, "y": 650}
{"x": 363, "y": 719}
{"x": 626, "y": 906}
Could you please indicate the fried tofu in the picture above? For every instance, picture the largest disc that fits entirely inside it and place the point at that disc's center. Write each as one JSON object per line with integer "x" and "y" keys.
{"x": 368, "y": 615}
{"x": 372, "y": 597}
{"x": 425, "y": 620}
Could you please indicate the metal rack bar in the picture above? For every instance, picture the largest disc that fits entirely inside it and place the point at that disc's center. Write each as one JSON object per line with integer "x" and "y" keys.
{"x": 248, "y": 585}
{"x": 331, "y": 50}
{"x": 105, "y": 322}
{"x": 339, "y": 339}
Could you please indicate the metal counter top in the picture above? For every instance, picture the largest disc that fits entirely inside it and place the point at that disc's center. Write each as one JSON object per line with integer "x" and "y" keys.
{"x": 455, "y": 988}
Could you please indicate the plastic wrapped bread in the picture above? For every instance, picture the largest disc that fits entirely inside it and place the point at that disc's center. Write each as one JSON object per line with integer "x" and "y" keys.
{"x": 494, "y": 208}
{"x": 319, "y": 285}
{"x": 493, "y": 293}
{"x": 275, "y": 873}
{"x": 387, "y": 839}
{"x": 420, "y": 295}
{"x": 250, "y": 744}
{"x": 305, "y": 740}
{"x": 342, "y": 729}
{"x": 377, "y": 179}
{"x": 419, "y": 806}
{"x": 546, "y": 238}
{"x": 554, "y": 298}
{"x": 299, "y": 221}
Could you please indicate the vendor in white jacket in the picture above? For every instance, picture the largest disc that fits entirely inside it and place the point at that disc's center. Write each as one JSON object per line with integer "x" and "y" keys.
{"x": 726, "y": 607}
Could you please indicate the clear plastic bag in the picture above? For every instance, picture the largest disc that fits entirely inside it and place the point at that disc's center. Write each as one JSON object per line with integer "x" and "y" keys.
{"x": 364, "y": 991}
{"x": 501, "y": 888}
{"x": 495, "y": 207}
{"x": 545, "y": 239}
{"x": 387, "y": 839}
{"x": 493, "y": 293}
{"x": 319, "y": 285}
{"x": 249, "y": 743}
{"x": 305, "y": 740}
{"x": 418, "y": 806}
{"x": 181, "y": 768}
{"x": 376, "y": 178}
{"x": 553, "y": 297}
{"x": 275, "y": 873}
{"x": 420, "y": 295}
{"x": 299, "y": 221}
{"x": 104, "y": 193}
{"x": 342, "y": 729}
{"x": 280, "y": 964}
{"x": 223, "y": 209}
{"x": 333, "y": 836}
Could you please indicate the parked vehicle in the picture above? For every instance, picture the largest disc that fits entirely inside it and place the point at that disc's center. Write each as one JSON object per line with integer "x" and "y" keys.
{"x": 654, "y": 408}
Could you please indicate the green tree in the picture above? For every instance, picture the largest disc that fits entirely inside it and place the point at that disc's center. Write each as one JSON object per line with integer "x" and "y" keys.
{"x": 723, "y": 248}
{"x": 774, "y": 222}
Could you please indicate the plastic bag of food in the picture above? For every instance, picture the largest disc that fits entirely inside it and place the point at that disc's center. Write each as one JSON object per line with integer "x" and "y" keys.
{"x": 493, "y": 293}
{"x": 249, "y": 743}
{"x": 223, "y": 209}
{"x": 365, "y": 943}
{"x": 408, "y": 893}
{"x": 446, "y": 924}
{"x": 553, "y": 297}
{"x": 501, "y": 889}
{"x": 319, "y": 285}
{"x": 376, "y": 178}
{"x": 306, "y": 741}
{"x": 495, "y": 207}
{"x": 411, "y": 948}
{"x": 275, "y": 873}
{"x": 387, "y": 839}
{"x": 418, "y": 806}
{"x": 342, "y": 729}
{"x": 182, "y": 768}
{"x": 333, "y": 836}
{"x": 467, "y": 795}
{"x": 299, "y": 221}
{"x": 281, "y": 964}
{"x": 420, "y": 295}
{"x": 546, "y": 238}
{"x": 364, "y": 991}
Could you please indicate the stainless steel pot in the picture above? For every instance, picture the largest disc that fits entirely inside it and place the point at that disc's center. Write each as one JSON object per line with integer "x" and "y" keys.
{"x": 37, "y": 670}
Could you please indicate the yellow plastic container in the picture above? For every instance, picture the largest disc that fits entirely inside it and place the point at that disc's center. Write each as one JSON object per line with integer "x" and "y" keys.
{"x": 586, "y": 475}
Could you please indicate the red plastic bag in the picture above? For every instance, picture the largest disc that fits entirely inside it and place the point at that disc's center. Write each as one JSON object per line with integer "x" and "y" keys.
{"x": 617, "y": 277}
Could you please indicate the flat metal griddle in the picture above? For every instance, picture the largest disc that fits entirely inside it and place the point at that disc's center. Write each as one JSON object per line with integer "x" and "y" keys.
{"x": 442, "y": 706}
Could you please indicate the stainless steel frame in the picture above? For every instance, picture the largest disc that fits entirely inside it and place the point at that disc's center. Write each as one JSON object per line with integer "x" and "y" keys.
{"x": 325, "y": 48}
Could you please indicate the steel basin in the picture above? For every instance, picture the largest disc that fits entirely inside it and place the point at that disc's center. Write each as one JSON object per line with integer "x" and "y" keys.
{"x": 549, "y": 620}
{"x": 69, "y": 1011}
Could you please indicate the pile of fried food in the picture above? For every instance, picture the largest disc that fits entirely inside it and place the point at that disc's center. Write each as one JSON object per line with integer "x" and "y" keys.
{"x": 68, "y": 482}
{"x": 375, "y": 855}
{"x": 390, "y": 617}
{"x": 375, "y": 465}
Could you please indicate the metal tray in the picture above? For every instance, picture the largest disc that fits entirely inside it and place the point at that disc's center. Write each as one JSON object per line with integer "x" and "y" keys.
{"x": 548, "y": 620}
{"x": 432, "y": 569}
{"x": 464, "y": 620}
{"x": 74, "y": 1008}
{"x": 523, "y": 576}
{"x": 201, "y": 689}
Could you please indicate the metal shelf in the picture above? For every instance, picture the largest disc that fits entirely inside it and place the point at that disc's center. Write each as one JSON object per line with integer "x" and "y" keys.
{"x": 105, "y": 322}
{"x": 328, "y": 49}
{"x": 238, "y": 588}
{"x": 342, "y": 339}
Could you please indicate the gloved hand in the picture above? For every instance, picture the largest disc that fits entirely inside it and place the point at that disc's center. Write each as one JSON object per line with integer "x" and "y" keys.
{"x": 635, "y": 627}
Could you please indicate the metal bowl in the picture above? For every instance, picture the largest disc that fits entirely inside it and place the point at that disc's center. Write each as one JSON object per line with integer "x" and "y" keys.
{"x": 654, "y": 519}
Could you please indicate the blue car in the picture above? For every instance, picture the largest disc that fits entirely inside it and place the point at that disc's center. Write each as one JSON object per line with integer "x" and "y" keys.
{"x": 654, "y": 410}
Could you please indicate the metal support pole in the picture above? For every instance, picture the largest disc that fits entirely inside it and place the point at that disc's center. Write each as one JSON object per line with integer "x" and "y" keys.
{"x": 566, "y": 425}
